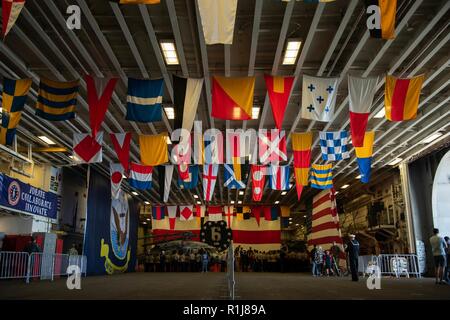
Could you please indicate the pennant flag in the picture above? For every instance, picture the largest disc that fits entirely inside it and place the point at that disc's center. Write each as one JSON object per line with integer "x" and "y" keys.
{"x": 364, "y": 156}
{"x": 162, "y": 227}
{"x": 334, "y": 145}
{"x": 272, "y": 146}
{"x": 271, "y": 213}
{"x": 256, "y": 213}
{"x": 218, "y": 19}
{"x": 279, "y": 89}
{"x": 381, "y": 18}
{"x": 153, "y": 149}
{"x": 116, "y": 172}
{"x": 121, "y": 143}
{"x": 231, "y": 180}
{"x": 214, "y": 213}
{"x": 10, "y": 12}
{"x": 14, "y": 97}
{"x": 209, "y": 180}
{"x": 158, "y": 213}
{"x": 172, "y": 214}
{"x": 199, "y": 144}
{"x": 186, "y": 94}
{"x": 191, "y": 182}
{"x": 285, "y": 211}
{"x": 401, "y": 97}
{"x": 321, "y": 176}
{"x": 232, "y": 98}
{"x": 258, "y": 181}
{"x": 200, "y": 211}
{"x": 87, "y": 149}
{"x": 140, "y": 176}
{"x": 361, "y": 93}
{"x": 57, "y": 100}
{"x": 325, "y": 221}
{"x": 144, "y": 100}
{"x": 279, "y": 177}
{"x": 301, "y": 146}
{"x": 99, "y": 91}
{"x": 319, "y": 98}
{"x": 229, "y": 214}
{"x": 186, "y": 213}
{"x": 165, "y": 180}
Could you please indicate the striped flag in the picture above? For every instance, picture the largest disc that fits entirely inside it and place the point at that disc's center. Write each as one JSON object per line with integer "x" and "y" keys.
{"x": 301, "y": 146}
{"x": 158, "y": 213}
{"x": 321, "y": 176}
{"x": 140, "y": 176}
{"x": 364, "y": 156}
{"x": 214, "y": 213}
{"x": 186, "y": 94}
{"x": 121, "y": 143}
{"x": 209, "y": 180}
{"x": 144, "y": 100}
{"x": 57, "y": 100}
{"x": 271, "y": 213}
{"x": 325, "y": 221}
{"x": 401, "y": 97}
{"x": 279, "y": 177}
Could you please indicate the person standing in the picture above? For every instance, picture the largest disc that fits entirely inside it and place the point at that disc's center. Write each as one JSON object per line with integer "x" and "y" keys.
{"x": 438, "y": 247}
{"x": 313, "y": 261}
{"x": 353, "y": 255}
{"x": 336, "y": 252}
{"x": 446, "y": 272}
{"x": 205, "y": 260}
{"x": 318, "y": 259}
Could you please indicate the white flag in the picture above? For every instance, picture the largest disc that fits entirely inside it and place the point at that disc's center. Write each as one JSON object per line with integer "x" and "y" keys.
{"x": 167, "y": 181}
{"x": 361, "y": 93}
{"x": 218, "y": 17}
{"x": 319, "y": 98}
{"x": 116, "y": 171}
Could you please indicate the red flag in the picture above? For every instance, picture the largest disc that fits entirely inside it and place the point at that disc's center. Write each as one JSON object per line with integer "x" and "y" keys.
{"x": 279, "y": 89}
{"x": 98, "y": 104}
{"x": 215, "y": 213}
{"x": 258, "y": 180}
{"x": 256, "y": 212}
{"x": 121, "y": 143}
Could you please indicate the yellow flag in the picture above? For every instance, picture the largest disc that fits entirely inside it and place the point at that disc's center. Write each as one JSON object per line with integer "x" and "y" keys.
{"x": 153, "y": 149}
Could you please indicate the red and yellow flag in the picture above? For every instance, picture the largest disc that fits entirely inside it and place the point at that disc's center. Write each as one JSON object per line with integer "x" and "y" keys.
{"x": 279, "y": 89}
{"x": 232, "y": 98}
{"x": 401, "y": 97}
{"x": 301, "y": 146}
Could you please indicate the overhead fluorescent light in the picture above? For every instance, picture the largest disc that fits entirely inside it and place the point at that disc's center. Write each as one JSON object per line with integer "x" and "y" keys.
{"x": 345, "y": 186}
{"x": 46, "y": 140}
{"x": 148, "y": 219}
{"x": 291, "y": 52}
{"x": 195, "y": 196}
{"x": 144, "y": 222}
{"x": 277, "y": 202}
{"x": 431, "y": 138}
{"x": 169, "y": 52}
{"x": 380, "y": 114}
{"x": 284, "y": 193}
{"x": 240, "y": 202}
{"x": 134, "y": 193}
{"x": 395, "y": 161}
{"x": 232, "y": 201}
{"x": 255, "y": 112}
{"x": 146, "y": 202}
{"x": 198, "y": 202}
{"x": 170, "y": 112}
{"x": 241, "y": 193}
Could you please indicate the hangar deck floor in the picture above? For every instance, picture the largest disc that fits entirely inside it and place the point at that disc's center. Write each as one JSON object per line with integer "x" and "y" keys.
{"x": 197, "y": 286}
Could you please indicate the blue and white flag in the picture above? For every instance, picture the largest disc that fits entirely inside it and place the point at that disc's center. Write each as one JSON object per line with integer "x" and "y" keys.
{"x": 144, "y": 100}
{"x": 231, "y": 182}
{"x": 192, "y": 180}
{"x": 334, "y": 145}
{"x": 319, "y": 98}
{"x": 140, "y": 176}
{"x": 279, "y": 177}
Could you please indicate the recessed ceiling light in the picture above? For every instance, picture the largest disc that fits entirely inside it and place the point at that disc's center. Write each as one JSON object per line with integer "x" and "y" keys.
{"x": 134, "y": 193}
{"x": 255, "y": 112}
{"x": 199, "y": 202}
{"x": 380, "y": 114}
{"x": 241, "y": 193}
{"x": 232, "y": 201}
{"x": 395, "y": 161}
{"x": 291, "y": 52}
{"x": 170, "y": 112}
{"x": 290, "y": 218}
{"x": 358, "y": 177}
{"x": 46, "y": 140}
{"x": 431, "y": 138}
{"x": 239, "y": 202}
{"x": 144, "y": 222}
{"x": 148, "y": 219}
{"x": 169, "y": 52}
{"x": 304, "y": 216}
{"x": 296, "y": 224}
{"x": 146, "y": 202}
{"x": 345, "y": 186}
{"x": 195, "y": 196}
{"x": 284, "y": 193}
{"x": 277, "y": 202}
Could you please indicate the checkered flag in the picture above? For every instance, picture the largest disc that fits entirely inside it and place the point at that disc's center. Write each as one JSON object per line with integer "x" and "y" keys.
{"x": 334, "y": 145}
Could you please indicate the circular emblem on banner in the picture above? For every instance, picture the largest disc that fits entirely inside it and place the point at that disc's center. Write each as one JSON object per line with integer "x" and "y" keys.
{"x": 116, "y": 177}
{"x": 119, "y": 226}
{"x": 257, "y": 175}
{"x": 216, "y": 234}
{"x": 14, "y": 193}
{"x": 257, "y": 190}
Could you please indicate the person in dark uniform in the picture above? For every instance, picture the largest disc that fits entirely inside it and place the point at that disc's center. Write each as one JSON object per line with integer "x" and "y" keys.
{"x": 353, "y": 254}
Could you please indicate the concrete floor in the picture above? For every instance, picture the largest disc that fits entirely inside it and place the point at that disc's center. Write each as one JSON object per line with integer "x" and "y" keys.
{"x": 197, "y": 286}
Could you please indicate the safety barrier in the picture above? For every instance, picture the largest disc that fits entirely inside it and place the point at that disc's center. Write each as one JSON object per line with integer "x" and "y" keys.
{"x": 230, "y": 272}
{"x": 46, "y": 266}
{"x": 390, "y": 265}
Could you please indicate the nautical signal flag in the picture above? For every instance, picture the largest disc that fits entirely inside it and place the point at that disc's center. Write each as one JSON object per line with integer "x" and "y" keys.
{"x": 319, "y": 98}
{"x": 278, "y": 89}
{"x": 271, "y": 213}
{"x": 333, "y": 145}
{"x": 272, "y": 146}
{"x": 321, "y": 176}
{"x": 258, "y": 179}
{"x": 214, "y": 213}
{"x": 140, "y": 176}
{"x": 87, "y": 149}
{"x": 232, "y": 98}
{"x": 218, "y": 18}
{"x": 209, "y": 180}
{"x": 361, "y": 94}
{"x": 99, "y": 91}
{"x": 153, "y": 149}
{"x": 191, "y": 182}
{"x": 172, "y": 213}
{"x": 14, "y": 97}
{"x": 144, "y": 100}
{"x": 301, "y": 146}
{"x": 234, "y": 179}
{"x": 401, "y": 97}
{"x": 279, "y": 177}
{"x": 229, "y": 215}
{"x": 364, "y": 156}
{"x": 121, "y": 143}
{"x": 116, "y": 171}
{"x": 165, "y": 174}
{"x": 186, "y": 94}
{"x": 285, "y": 211}
{"x": 381, "y": 18}
{"x": 10, "y": 12}
{"x": 186, "y": 213}
{"x": 158, "y": 213}
{"x": 57, "y": 100}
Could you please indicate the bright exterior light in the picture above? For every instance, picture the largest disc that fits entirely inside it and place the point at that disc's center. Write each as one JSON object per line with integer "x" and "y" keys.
{"x": 345, "y": 186}
{"x": 277, "y": 202}
{"x": 380, "y": 114}
{"x": 169, "y": 52}
{"x": 170, "y": 112}
{"x": 431, "y": 138}
{"x": 255, "y": 112}
{"x": 395, "y": 161}
{"x": 46, "y": 140}
{"x": 291, "y": 53}
{"x": 134, "y": 193}
{"x": 284, "y": 193}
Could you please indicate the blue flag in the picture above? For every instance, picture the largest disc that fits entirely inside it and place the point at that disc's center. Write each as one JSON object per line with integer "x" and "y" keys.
{"x": 144, "y": 100}
{"x": 192, "y": 181}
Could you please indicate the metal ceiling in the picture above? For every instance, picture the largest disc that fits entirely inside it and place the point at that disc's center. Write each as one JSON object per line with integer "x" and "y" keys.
{"x": 123, "y": 41}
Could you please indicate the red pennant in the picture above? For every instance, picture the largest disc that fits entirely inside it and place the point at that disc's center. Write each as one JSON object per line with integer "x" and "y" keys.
{"x": 172, "y": 223}
{"x": 258, "y": 180}
{"x": 279, "y": 89}
{"x": 121, "y": 143}
{"x": 256, "y": 212}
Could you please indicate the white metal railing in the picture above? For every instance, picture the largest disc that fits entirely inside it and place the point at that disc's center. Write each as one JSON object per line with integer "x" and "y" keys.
{"x": 230, "y": 272}
{"x": 17, "y": 265}
{"x": 390, "y": 265}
